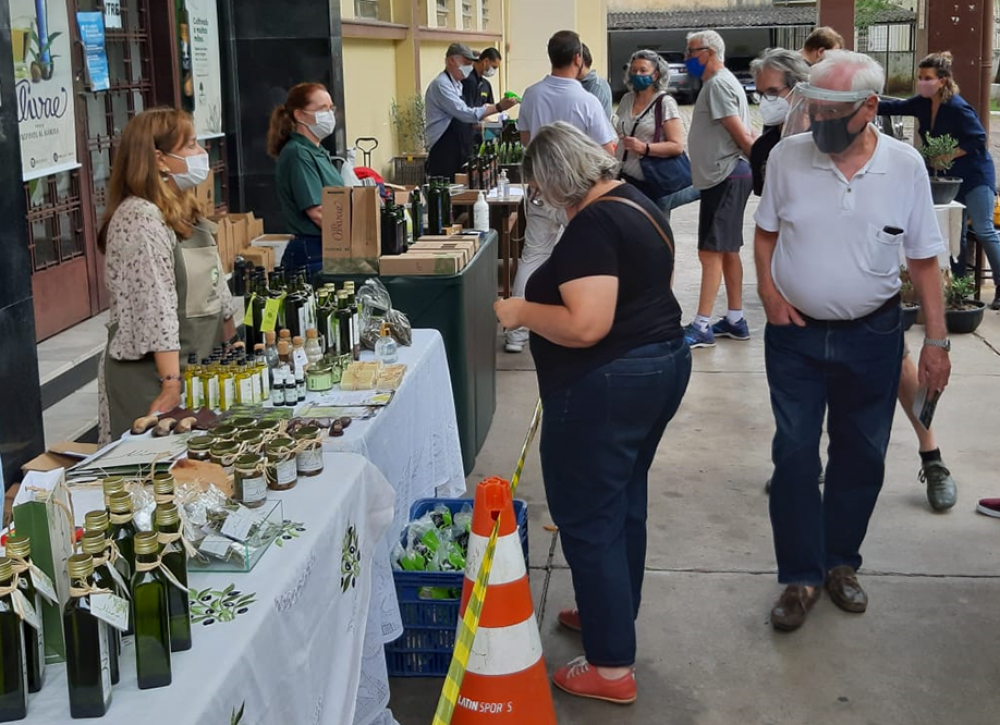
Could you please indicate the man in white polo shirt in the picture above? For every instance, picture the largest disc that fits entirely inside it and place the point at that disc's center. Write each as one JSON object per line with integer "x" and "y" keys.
{"x": 839, "y": 204}
{"x": 557, "y": 97}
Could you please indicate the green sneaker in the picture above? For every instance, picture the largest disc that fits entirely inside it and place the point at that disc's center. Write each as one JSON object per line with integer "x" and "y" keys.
{"x": 941, "y": 490}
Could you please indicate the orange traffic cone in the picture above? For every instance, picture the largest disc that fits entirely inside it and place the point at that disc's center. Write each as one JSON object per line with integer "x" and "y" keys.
{"x": 505, "y": 681}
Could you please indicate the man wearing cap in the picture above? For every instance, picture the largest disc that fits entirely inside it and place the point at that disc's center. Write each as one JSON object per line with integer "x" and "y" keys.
{"x": 840, "y": 204}
{"x": 449, "y": 118}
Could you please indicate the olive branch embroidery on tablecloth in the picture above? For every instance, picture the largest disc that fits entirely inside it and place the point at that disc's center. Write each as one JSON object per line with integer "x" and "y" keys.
{"x": 289, "y": 530}
{"x": 350, "y": 560}
{"x": 211, "y": 605}
{"x": 237, "y": 717}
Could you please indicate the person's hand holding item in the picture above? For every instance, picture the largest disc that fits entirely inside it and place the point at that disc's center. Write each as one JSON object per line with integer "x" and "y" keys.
{"x": 634, "y": 145}
{"x": 934, "y": 368}
{"x": 509, "y": 312}
{"x": 505, "y": 104}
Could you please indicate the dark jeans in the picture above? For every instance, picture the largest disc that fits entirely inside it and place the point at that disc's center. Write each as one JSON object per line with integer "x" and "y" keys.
{"x": 304, "y": 252}
{"x": 599, "y": 436}
{"x": 850, "y": 371}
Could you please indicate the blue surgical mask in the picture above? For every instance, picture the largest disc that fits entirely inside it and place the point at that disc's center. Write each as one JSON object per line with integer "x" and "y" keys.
{"x": 641, "y": 82}
{"x": 694, "y": 67}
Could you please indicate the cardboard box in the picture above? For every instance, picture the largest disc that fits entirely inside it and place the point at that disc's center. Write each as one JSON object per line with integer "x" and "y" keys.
{"x": 473, "y": 237}
{"x": 336, "y": 209}
{"x": 260, "y": 257}
{"x": 56, "y": 456}
{"x": 224, "y": 241}
{"x": 465, "y": 246}
{"x": 422, "y": 263}
{"x": 366, "y": 223}
{"x": 352, "y": 229}
{"x": 275, "y": 242}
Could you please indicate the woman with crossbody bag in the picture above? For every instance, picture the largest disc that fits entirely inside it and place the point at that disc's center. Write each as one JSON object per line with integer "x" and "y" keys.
{"x": 652, "y": 136}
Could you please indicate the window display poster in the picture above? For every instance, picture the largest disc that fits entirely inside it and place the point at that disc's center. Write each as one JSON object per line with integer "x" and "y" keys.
{"x": 43, "y": 80}
{"x": 92, "y": 36}
{"x": 202, "y": 85}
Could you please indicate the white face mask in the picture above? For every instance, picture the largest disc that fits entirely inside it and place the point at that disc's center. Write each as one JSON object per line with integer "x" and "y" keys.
{"x": 490, "y": 72}
{"x": 326, "y": 124}
{"x": 465, "y": 70}
{"x": 197, "y": 171}
{"x": 773, "y": 111}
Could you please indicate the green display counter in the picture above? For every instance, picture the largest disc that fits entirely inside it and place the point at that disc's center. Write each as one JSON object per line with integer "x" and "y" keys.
{"x": 460, "y": 307}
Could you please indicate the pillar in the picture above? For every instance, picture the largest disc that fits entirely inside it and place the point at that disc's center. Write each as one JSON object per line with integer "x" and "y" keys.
{"x": 21, "y": 433}
{"x": 267, "y": 47}
{"x": 966, "y": 29}
{"x": 839, "y": 15}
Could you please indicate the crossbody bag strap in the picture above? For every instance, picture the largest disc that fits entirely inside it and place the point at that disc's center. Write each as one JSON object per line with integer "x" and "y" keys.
{"x": 638, "y": 208}
{"x": 654, "y": 105}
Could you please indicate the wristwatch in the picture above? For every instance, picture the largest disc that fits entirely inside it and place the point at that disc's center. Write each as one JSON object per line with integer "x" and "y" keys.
{"x": 945, "y": 344}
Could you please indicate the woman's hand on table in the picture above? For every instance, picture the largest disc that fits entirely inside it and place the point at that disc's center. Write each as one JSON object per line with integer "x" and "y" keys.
{"x": 509, "y": 311}
{"x": 168, "y": 399}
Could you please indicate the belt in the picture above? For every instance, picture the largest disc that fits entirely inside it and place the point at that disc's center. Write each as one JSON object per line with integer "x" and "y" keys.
{"x": 887, "y": 305}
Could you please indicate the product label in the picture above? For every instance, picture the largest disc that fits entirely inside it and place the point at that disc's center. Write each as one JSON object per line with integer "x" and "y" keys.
{"x": 213, "y": 393}
{"x": 105, "y": 658}
{"x": 24, "y": 609}
{"x": 246, "y": 391}
{"x": 265, "y": 384}
{"x": 301, "y": 361}
{"x": 271, "y": 309}
{"x": 310, "y": 461}
{"x": 278, "y": 395}
{"x": 238, "y": 524}
{"x": 255, "y": 384}
{"x": 110, "y": 608}
{"x": 43, "y": 584}
{"x": 230, "y": 392}
{"x": 40, "y": 639}
{"x": 356, "y": 328}
{"x": 286, "y": 472}
{"x": 254, "y": 489}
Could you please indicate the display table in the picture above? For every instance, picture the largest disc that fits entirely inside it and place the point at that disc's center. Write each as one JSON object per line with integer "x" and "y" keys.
{"x": 509, "y": 222}
{"x": 290, "y": 646}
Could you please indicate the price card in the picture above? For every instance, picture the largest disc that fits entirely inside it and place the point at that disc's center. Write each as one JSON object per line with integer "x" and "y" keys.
{"x": 239, "y": 523}
{"x": 110, "y": 608}
{"x": 27, "y": 612}
{"x": 271, "y": 309}
{"x": 217, "y": 546}
{"x": 248, "y": 317}
{"x": 300, "y": 359}
{"x": 43, "y": 584}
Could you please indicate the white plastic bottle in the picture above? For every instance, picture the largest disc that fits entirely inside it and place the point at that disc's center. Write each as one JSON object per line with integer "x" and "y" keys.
{"x": 503, "y": 185}
{"x": 481, "y": 214}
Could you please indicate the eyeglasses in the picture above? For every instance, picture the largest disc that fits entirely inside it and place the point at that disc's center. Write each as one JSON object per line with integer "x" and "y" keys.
{"x": 535, "y": 197}
{"x": 690, "y": 52}
{"x": 773, "y": 94}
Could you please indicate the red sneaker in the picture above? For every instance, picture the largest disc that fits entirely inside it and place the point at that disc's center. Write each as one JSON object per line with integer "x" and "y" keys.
{"x": 581, "y": 679}
{"x": 570, "y": 619}
{"x": 987, "y": 506}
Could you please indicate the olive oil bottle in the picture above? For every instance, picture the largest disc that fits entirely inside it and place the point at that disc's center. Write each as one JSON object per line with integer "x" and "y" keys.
{"x": 96, "y": 544}
{"x": 19, "y": 551}
{"x": 88, "y": 653}
{"x": 168, "y": 527}
{"x": 111, "y": 486}
{"x": 163, "y": 489}
{"x": 13, "y": 675}
{"x": 123, "y": 532}
{"x": 97, "y": 520}
{"x": 151, "y": 614}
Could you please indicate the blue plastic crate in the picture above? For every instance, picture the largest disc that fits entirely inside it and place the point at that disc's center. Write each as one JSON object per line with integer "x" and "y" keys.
{"x": 425, "y": 647}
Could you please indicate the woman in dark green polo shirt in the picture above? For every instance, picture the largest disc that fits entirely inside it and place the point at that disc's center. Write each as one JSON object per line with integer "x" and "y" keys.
{"x": 304, "y": 169}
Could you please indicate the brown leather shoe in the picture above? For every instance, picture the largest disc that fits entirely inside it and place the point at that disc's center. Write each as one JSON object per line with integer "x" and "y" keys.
{"x": 845, "y": 591}
{"x": 789, "y": 612}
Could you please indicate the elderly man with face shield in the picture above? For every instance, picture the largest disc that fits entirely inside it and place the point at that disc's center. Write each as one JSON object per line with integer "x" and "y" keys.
{"x": 839, "y": 205}
{"x": 776, "y": 71}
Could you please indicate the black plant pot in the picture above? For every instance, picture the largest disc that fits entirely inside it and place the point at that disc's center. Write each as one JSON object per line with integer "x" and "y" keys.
{"x": 910, "y": 314}
{"x": 959, "y": 321}
{"x": 944, "y": 189}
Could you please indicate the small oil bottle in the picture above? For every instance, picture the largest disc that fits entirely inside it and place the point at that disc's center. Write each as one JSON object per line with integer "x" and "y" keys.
{"x": 111, "y": 486}
{"x": 98, "y": 521}
{"x": 88, "y": 653}
{"x": 95, "y": 544}
{"x": 13, "y": 674}
{"x": 168, "y": 527}
{"x": 152, "y": 614}
{"x": 123, "y": 533}
{"x": 227, "y": 387}
{"x": 209, "y": 385}
{"x": 192, "y": 383}
{"x": 19, "y": 551}
{"x": 260, "y": 363}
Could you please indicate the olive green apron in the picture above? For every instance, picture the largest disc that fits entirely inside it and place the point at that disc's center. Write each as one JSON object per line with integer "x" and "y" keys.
{"x": 131, "y": 386}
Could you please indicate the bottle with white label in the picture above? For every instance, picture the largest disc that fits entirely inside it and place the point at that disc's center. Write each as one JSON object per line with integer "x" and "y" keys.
{"x": 88, "y": 655}
{"x": 14, "y": 674}
{"x": 481, "y": 214}
{"x": 18, "y": 549}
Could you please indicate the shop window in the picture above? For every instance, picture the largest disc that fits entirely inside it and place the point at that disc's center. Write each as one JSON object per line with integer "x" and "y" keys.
{"x": 55, "y": 219}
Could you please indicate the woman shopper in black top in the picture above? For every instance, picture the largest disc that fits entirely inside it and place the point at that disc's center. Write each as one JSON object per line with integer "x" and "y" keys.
{"x": 612, "y": 368}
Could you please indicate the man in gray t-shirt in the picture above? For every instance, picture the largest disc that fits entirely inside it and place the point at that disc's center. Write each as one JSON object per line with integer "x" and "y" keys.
{"x": 719, "y": 145}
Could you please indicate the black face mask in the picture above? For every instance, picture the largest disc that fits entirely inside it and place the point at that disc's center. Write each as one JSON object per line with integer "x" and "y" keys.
{"x": 832, "y": 136}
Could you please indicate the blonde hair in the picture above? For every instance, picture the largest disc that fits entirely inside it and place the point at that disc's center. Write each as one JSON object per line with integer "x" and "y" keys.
{"x": 941, "y": 63}
{"x": 134, "y": 171}
{"x": 824, "y": 38}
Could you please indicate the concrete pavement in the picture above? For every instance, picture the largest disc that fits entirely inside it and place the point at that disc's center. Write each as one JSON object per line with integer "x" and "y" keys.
{"x": 926, "y": 652}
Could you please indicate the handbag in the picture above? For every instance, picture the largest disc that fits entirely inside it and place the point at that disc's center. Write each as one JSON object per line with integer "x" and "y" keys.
{"x": 664, "y": 175}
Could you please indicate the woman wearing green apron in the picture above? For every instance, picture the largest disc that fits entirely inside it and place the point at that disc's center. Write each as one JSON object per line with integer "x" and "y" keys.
{"x": 168, "y": 295}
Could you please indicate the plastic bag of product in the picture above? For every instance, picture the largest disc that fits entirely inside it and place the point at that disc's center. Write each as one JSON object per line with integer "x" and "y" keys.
{"x": 376, "y": 308}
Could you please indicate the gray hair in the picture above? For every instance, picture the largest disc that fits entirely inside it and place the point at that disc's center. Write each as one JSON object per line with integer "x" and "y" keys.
{"x": 660, "y": 65}
{"x": 565, "y": 164}
{"x": 868, "y": 74}
{"x": 710, "y": 39}
{"x": 789, "y": 63}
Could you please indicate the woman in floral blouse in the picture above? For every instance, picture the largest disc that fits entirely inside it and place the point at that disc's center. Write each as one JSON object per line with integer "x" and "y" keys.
{"x": 168, "y": 295}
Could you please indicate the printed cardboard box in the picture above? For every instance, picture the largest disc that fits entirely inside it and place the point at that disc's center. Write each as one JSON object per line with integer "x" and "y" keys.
{"x": 422, "y": 264}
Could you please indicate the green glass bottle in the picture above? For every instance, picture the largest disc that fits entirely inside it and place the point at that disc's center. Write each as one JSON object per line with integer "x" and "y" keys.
{"x": 19, "y": 551}
{"x": 151, "y": 614}
{"x": 111, "y": 486}
{"x": 163, "y": 487}
{"x": 96, "y": 521}
{"x": 13, "y": 675}
{"x": 168, "y": 526}
{"x": 88, "y": 654}
{"x": 123, "y": 532}
{"x": 96, "y": 545}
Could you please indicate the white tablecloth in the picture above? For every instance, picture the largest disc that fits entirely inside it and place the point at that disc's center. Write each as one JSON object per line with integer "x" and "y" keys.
{"x": 292, "y": 652}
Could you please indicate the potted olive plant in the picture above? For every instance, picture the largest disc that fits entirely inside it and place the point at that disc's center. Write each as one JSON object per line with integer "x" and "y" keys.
{"x": 908, "y": 299}
{"x": 961, "y": 313}
{"x": 939, "y": 153}
{"x": 408, "y": 123}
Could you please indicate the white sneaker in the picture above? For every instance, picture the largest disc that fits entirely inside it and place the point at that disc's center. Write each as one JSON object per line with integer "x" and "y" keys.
{"x": 513, "y": 347}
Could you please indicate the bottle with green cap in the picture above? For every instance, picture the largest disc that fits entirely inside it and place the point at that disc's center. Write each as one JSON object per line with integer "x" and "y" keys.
{"x": 13, "y": 674}
{"x": 151, "y": 614}
{"x": 18, "y": 549}
{"x": 168, "y": 527}
{"x": 96, "y": 545}
{"x": 88, "y": 653}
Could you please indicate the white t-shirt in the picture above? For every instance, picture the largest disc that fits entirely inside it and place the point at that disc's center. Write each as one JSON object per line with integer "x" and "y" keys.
{"x": 564, "y": 99}
{"x": 837, "y": 257}
{"x": 625, "y": 122}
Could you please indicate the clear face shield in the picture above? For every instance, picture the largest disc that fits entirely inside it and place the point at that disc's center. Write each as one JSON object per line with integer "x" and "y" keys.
{"x": 831, "y": 111}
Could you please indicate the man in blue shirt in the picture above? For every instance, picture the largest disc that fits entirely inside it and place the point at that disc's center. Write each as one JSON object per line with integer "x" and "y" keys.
{"x": 449, "y": 118}
{"x": 594, "y": 83}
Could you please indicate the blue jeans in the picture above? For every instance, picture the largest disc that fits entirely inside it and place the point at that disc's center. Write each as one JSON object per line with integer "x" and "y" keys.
{"x": 599, "y": 436}
{"x": 304, "y": 252}
{"x": 850, "y": 372}
{"x": 979, "y": 208}
{"x": 678, "y": 198}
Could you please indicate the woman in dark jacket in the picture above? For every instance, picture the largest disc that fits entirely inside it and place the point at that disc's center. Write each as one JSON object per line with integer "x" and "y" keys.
{"x": 612, "y": 368}
{"x": 939, "y": 110}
